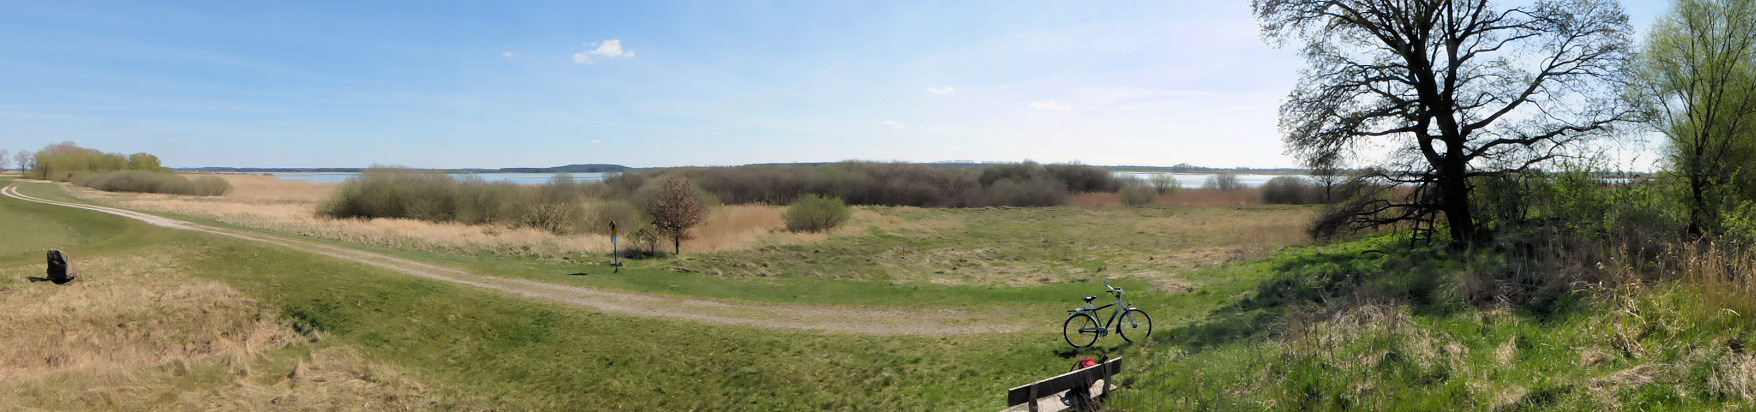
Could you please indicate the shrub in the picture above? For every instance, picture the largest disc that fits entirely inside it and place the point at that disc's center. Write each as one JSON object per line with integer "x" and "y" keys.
{"x": 628, "y": 218}
{"x": 139, "y": 181}
{"x": 1033, "y": 192}
{"x": 480, "y": 202}
{"x": 1227, "y": 181}
{"x": 1081, "y": 178}
{"x": 432, "y": 195}
{"x": 212, "y": 186}
{"x": 1165, "y": 183}
{"x": 1290, "y": 190}
{"x": 1138, "y": 195}
{"x": 816, "y": 213}
{"x": 643, "y": 242}
{"x": 392, "y": 192}
{"x": 558, "y": 217}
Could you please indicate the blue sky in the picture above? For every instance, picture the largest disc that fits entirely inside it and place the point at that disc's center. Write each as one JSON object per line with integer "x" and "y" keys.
{"x": 493, "y": 84}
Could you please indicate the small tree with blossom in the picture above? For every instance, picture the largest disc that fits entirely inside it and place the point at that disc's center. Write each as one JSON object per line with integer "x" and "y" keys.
{"x": 677, "y": 208}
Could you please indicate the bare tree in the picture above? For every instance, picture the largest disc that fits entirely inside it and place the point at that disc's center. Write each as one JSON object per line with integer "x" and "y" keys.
{"x": 5, "y": 160}
{"x": 1165, "y": 183}
{"x": 1455, "y": 89}
{"x": 1697, "y": 77}
{"x": 1327, "y": 177}
{"x": 26, "y": 161}
{"x": 676, "y": 209}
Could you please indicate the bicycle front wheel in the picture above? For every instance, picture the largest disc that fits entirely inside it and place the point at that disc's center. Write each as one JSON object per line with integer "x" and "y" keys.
{"x": 1081, "y": 330}
{"x": 1134, "y": 325}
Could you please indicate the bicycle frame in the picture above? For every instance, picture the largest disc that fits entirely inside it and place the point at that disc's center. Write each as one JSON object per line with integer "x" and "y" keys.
{"x": 1121, "y": 305}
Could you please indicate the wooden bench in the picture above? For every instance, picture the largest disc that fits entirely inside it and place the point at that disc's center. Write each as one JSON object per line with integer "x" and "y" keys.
{"x": 1049, "y": 391}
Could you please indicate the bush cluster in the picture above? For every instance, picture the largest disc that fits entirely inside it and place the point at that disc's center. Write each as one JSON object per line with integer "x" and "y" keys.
{"x": 816, "y": 213}
{"x": 394, "y": 192}
{"x": 141, "y": 181}
{"x": 1291, "y": 190}
{"x": 1165, "y": 184}
{"x": 1077, "y": 178}
{"x": 889, "y": 184}
{"x": 1138, "y": 195}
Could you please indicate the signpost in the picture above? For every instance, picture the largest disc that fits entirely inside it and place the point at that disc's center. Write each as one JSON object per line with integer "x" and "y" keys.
{"x": 615, "y": 252}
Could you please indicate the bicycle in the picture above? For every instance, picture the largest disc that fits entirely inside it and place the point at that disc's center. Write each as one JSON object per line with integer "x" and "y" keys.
{"x": 1082, "y": 328}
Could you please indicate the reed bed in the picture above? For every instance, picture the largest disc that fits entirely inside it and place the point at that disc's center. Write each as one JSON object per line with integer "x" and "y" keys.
{"x": 273, "y": 189}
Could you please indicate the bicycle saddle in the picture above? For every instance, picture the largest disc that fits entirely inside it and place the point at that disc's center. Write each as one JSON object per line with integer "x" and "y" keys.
{"x": 1089, "y": 298}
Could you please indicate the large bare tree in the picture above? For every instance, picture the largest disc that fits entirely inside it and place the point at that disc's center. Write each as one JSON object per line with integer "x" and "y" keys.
{"x": 1452, "y": 89}
{"x": 1697, "y": 76}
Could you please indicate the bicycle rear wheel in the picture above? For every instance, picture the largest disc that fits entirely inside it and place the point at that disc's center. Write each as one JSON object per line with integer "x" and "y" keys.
{"x": 1134, "y": 325}
{"x": 1081, "y": 330}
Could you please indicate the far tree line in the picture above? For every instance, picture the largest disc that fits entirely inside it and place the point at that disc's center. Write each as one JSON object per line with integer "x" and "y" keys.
{"x": 138, "y": 172}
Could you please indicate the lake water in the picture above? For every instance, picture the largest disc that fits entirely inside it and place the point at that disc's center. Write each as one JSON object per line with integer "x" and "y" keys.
{"x": 1188, "y": 180}
{"x": 1197, "y": 180}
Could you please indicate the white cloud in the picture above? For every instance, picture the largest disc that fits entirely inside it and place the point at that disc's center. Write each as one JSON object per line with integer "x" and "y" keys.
{"x": 893, "y": 123}
{"x": 609, "y": 49}
{"x": 595, "y": 141}
{"x": 506, "y": 54}
{"x": 941, "y": 90}
{"x": 1051, "y": 105}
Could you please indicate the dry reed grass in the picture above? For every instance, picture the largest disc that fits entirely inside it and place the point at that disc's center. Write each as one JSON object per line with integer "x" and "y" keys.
{"x": 134, "y": 334}
{"x": 135, "y": 311}
{"x": 1727, "y": 274}
{"x": 270, "y": 188}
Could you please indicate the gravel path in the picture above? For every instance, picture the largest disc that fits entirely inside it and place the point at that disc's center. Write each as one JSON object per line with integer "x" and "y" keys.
{"x": 875, "y": 320}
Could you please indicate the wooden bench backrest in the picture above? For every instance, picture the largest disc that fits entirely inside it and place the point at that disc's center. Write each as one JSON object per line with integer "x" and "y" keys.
{"x": 1076, "y": 379}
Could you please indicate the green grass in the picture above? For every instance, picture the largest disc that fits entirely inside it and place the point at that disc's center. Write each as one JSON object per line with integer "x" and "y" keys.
{"x": 1336, "y": 329}
{"x": 33, "y": 228}
{"x": 1004, "y": 246}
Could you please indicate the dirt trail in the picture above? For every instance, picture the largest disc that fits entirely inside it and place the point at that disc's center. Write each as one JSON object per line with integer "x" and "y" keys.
{"x": 875, "y": 320}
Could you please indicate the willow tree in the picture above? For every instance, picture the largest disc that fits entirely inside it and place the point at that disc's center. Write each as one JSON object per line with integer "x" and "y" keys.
{"x": 1697, "y": 75}
{"x": 1453, "y": 89}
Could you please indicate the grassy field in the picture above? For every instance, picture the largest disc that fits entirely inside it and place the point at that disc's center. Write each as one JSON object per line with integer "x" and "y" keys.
{"x": 1249, "y": 317}
{"x": 426, "y": 343}
{"x": 984, "y": 246}
{"x": 1338, "y": 328}
{"x": 1026, "y": 246}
